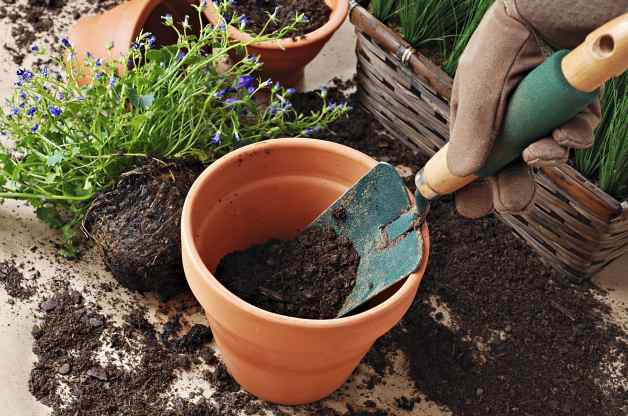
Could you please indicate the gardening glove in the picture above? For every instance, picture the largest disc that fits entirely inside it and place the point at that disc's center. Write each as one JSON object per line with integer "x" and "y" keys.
{"x": 514, "y": 37}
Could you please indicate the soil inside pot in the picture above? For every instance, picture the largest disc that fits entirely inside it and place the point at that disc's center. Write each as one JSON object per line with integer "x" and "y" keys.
{"x": 307, "y": 277}
{"x": 257, "y": 13}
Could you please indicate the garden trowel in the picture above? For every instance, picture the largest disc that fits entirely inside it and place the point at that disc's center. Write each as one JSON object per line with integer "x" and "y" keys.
{"x": 376, "y": 213}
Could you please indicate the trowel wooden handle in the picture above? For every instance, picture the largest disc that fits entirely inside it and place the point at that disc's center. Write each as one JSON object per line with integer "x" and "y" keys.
{"x": 603, "y": 55}
{"x": 550, "y": 95}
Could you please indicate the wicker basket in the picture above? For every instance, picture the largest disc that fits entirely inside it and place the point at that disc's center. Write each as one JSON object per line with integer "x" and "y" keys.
{"x": 574, "y": 226}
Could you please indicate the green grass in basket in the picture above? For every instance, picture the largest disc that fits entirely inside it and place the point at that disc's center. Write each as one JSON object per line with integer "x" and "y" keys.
{"x": 476, "y": 11}
{"x": 608, "y": 158}
{"x": 432, "y": 23}
{"x": 384, "y": 9}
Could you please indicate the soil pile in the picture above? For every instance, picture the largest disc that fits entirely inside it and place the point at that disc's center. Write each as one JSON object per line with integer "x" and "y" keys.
{"x": 14, "y": 281}
{"x": 257, "y": 15}
{"x": 137, "y": 225}
{"x": 308, "y": 277}
{"x": 525, "y": 340}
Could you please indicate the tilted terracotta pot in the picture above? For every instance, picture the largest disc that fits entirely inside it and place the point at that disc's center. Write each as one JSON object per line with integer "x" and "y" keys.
{"x": 121, "y": 25}
{"x": 284, "y": 60}
{"x": 269, "y": 190}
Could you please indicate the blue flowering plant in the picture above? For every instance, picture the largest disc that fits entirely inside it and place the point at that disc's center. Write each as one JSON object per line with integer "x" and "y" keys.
{"x": 67, "y": 139}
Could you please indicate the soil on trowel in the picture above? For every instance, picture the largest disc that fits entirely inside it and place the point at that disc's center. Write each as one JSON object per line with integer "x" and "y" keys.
{"x": 308, "y": 277}
{"x": 257, "y": 15}
{"x": 137, "y": 225}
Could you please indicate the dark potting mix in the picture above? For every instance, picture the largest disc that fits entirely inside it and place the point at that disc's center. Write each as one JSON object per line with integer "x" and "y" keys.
{"x": 256, "y": 15}
{"x": 492, "y": 330}
{"x": 307, "y": 277}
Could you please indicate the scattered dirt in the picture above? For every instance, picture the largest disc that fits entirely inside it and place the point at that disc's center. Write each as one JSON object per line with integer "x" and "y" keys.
{"x": 257, "y": 13}
{"x": 308, "y": 277}
{"x": 137, "y": 225}
{"x": 71, "y": 379}
{"x": 525, "y": 340}
{"x": 32, "y": 21}
{"x": 14, "y": 281}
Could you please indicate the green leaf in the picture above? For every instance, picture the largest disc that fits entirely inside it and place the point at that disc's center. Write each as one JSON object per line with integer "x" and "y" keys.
{"x": 55, "y": 158}
{"x": 147, "y": 100}
{"x": 50, "y": 216}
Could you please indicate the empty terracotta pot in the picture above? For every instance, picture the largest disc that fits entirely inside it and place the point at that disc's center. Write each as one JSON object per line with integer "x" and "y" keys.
{"x": 284, "y": 60}
{"x": 121, "y": 25}
{"x": 273, "y": 189}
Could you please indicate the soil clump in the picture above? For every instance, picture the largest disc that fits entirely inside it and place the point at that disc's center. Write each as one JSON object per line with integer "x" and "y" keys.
{"x": 137, "y": 225}
{"x": 14, "y": 281}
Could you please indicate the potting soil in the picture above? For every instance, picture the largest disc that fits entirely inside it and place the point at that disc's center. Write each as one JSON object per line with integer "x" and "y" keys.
{"x": 257, "y": 15}
{"x": 307, "y": 277}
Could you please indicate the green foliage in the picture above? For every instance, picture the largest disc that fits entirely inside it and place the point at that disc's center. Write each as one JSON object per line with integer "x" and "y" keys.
{"x": 432, "y": 23}
{"x": 384, "y": 10}
{"x": 477, "y": 10}
{"x": 68, "y": 141}
{"x": 608, "y": 158}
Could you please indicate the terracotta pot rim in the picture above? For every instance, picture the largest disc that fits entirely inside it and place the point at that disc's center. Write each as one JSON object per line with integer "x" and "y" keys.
{"x": 337, "y": 17}
{"x": 187, "y": 243}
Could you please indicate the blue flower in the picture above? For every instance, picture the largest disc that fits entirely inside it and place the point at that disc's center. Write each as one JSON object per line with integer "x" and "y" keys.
{"x": 222, "y": 26}
{"x": 66, "y": 43}
{"x": 222, "y": 92}
{"x": 112, "y": 81}
{"x": 243, "y": 20}
{"x": 24, "y": 75}
{"x": 44, "y": 72}
{"x": 15, "y": 111}
{"x": 217, "y": 138}
{"x": 245, "y": 81}
{"x": 180, "y": 56}
{"x": 99, "y": 75}
{"x": 61, "y": 96}
{"x": 98, "y": 62}
{"x": 135, "y": 45}
{"x": 54, "y": 110}
{"x": 250, "y": 90}
{"x": 37, "y": 98}
{"x": 89, "y": 55}
{"x": 34, "y": 48}
{"x": 31, "y": 111}
{"x": 305, "y": 19}
{"x": 23, "y": 95}
{"x": 231, "y": 101}
{"x": 152, "y": 41}
{"x": 22, "y": 105}
{"x": 35, "y": 128}
{"x": 290, "y": 91}
{"x": 253, "y": 58}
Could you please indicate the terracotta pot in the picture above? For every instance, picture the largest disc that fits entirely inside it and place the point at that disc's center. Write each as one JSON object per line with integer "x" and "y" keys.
{"x": 269, "y": 190}
{"x": 284, "y": 60}
{"x": 121, "y": 25}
